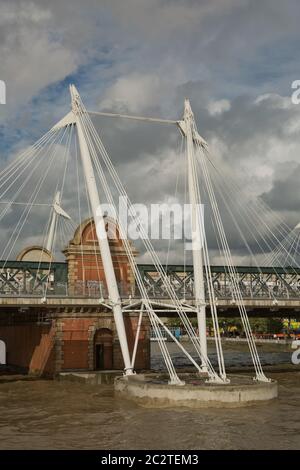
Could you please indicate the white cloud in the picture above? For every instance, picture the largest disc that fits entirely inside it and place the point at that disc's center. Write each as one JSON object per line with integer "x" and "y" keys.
{"x": 218, "y": 107}
{"x": 31, "y": 56}
{"x": 12, "y": 13}
{"x": 136, "y": 92}
{"x": 275, "y": 101}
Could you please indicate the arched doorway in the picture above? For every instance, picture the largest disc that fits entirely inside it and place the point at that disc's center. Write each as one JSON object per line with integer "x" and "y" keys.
{"x": 103, "y": 349}
{"x": 2, "y": 352}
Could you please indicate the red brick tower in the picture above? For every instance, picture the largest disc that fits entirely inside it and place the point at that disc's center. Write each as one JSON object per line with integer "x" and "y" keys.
{"x": 85, "y": 268}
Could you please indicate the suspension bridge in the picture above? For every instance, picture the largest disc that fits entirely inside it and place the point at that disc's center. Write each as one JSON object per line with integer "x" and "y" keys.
{"x": 95, "y": 309}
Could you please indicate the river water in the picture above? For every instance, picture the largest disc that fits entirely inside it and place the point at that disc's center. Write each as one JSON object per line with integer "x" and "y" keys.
{"x": 45, "y": 414}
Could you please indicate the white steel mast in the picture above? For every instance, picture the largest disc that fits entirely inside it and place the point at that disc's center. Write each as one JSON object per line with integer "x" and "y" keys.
{"x": 197, "y": 227}
{"x": 56, "y": 211}
{"x": 111, "y": 281}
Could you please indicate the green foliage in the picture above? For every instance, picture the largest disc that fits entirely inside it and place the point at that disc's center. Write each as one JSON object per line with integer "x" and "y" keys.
{"x": 266, "y": 325}
{"x": 227, "y": 325}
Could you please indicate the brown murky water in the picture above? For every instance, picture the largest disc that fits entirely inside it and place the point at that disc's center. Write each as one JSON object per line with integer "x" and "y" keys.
{"x": 61, "y": 415}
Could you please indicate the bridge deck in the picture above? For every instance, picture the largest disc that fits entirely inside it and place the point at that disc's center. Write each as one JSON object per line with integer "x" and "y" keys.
{"x": 26, "y": 284}
{"x": 263, "y": 307}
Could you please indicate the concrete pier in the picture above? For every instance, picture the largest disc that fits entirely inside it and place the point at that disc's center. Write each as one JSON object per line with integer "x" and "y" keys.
{"x": 153, "y": 390}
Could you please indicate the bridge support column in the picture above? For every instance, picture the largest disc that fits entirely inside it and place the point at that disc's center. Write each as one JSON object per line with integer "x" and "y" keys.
{"x": 197, "y": 226}
{"x": 110, "y": 276}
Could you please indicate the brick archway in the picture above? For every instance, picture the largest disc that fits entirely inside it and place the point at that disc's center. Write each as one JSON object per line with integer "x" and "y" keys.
{"x": 103, "y": 349}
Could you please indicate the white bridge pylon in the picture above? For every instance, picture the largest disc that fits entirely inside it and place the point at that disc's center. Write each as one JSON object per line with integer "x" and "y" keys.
{"x": 98, "y": 216}
{"x": 94, "y": 158}
{"x": 57, "y": 211}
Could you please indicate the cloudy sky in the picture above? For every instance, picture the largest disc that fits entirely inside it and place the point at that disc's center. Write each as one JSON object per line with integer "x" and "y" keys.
{"x": 234, "y": 59}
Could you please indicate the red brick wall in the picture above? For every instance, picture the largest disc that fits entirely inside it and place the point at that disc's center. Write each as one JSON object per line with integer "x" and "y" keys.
{"x": 85, "y": 263}
{"x": 142, "y": 360}
{"x": 78, "y": 342}
{"x": 30, "y": 346}
{"x": 69, "y": 344}
{"x": 91, "y": 269}
{"x": 75, "y": 343}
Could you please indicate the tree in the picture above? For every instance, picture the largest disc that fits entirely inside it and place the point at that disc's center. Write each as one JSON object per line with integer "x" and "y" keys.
{"x": 266, "y": 325}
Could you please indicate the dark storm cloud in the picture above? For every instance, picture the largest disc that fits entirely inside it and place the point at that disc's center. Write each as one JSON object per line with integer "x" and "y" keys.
{"x": 285, "y": 194}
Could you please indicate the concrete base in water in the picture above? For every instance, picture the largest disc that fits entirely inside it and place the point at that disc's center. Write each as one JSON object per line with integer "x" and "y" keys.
{"x": 153, "y": 390}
